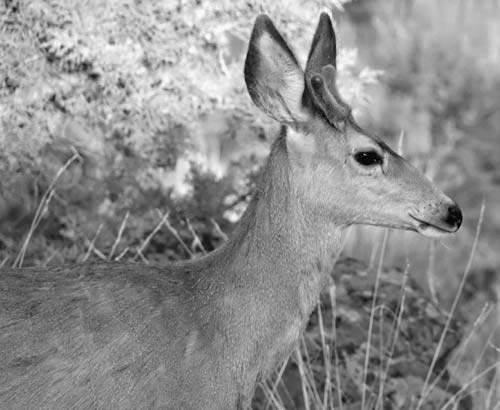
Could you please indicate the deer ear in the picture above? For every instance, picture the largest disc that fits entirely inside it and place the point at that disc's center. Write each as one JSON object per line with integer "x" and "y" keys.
{"x": 324, "y": 46}
{"x": 273, "y": 76}
{"x": 321, "y": 73}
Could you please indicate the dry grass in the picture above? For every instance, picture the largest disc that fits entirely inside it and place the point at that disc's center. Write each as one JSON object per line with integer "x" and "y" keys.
{"x": 443, "y": 57}
{"x": 328, "y": 394}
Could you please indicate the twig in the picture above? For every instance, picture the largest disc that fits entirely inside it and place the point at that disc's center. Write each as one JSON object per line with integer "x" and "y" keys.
{"x": 146, "y": 241}
{"x": 218, "y": 229}
{"x": 51, "y": 256}
{"x": 4, "y": 261}
{"x": 478, "y": 357}
{"x": 394, "y": 337}
{"x": 91, "y": 244}
{"x": 139, "y": 252}
{"x": 99, "y": 254}
{"x": 326, "y": 357}
{"x": 122, "y": 254}
{"x": 372, "y": 314}
{"x": 300, "y": 365}
{"x": 485, "y": 311}
{"x": 119, "y": 236}
{"x": 333, "y": 302}
{"x": 374, "y": 251}
{"x": 174, "y": 232}
{"x": 43, "y": 206}
{"x": 494, "y": 366}
{"x": 309, "y": 373}
{"x": 430, "y": 271}
{"x": 276, "y": 383}
{"x": 426, "y": 391}
{"x": 196, "y": 239}
{"x": 400, "y": 142}
{"x": 272, "y": 397}
{"x": 222, "y": 63}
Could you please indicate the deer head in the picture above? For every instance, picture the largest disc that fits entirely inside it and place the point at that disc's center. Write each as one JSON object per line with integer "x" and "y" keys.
{"x": 342, "y": 174}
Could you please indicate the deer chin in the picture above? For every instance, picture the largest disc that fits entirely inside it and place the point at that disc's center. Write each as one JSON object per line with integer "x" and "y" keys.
{"x": 430, "y": 230}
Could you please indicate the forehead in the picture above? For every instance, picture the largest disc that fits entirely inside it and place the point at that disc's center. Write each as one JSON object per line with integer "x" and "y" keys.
{"x": 348, "y": 133}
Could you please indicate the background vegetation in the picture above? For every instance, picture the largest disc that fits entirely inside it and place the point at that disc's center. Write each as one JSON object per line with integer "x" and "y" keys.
{"x": 126, "y": 133}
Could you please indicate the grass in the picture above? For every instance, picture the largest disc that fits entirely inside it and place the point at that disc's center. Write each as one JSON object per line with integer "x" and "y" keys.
{"x": 441, "y": 86}
{"x": 42, "y": 208}
{"x": 439, "y": 59}
{"x": 322, "y": 386}
{"x": 328, "y": 394}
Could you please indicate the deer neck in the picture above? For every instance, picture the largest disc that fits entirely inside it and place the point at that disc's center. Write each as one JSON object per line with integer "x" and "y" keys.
{"x": 277, "y": 250}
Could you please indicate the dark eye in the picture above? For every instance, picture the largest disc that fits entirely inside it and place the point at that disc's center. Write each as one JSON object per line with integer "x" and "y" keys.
{"x": 368, "y": 158}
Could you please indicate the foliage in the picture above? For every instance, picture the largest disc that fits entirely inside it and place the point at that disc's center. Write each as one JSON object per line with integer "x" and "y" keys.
{"x": 441, "y": 89}
{"x": 126, "y": 133}
{"x": 134, "y": 88}
{"x": 405, "y": 330}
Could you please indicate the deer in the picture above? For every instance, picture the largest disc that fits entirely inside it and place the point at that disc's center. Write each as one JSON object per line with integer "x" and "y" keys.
{"x": 199, "y": 334}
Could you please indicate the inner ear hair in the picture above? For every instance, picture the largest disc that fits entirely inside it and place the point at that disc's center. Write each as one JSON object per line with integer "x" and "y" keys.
{"x": 274, "y": 79}
{"x": 329, "y": 73}
{"x": 332, "y": 107}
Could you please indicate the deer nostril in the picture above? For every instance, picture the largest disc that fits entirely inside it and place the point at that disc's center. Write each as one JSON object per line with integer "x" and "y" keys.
{"x": 454, "y": 217}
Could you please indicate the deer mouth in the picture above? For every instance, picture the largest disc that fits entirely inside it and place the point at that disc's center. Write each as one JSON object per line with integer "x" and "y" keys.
{"x": 431, "y": 230}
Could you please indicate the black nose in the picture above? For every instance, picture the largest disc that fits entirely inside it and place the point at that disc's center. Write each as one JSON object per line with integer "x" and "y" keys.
{"x": 454, "y": 217}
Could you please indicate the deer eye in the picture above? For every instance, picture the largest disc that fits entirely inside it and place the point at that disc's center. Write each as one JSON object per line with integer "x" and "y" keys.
{"x": 368, "y": 158}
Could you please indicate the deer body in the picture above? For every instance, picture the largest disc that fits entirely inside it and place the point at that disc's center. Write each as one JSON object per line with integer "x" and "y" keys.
{"x": 194, "y": 335}
{"x": 198, "y": 334}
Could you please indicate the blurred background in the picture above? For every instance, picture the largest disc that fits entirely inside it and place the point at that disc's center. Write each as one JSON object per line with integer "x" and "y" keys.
{"x": 126, "y": 131}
